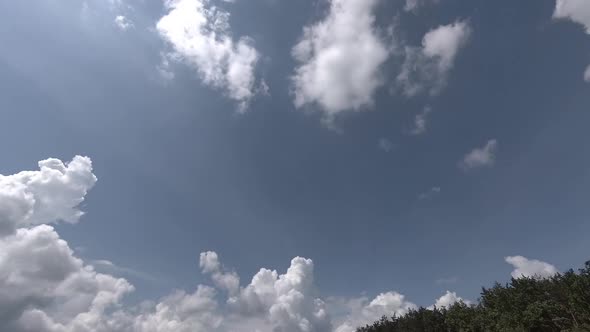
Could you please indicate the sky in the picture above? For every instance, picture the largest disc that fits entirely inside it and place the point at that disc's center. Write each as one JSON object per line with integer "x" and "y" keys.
{"x": 284, "y": 166}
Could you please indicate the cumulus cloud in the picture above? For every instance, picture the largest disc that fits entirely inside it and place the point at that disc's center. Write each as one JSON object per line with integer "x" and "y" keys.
{"x": 480, "y": 157}
{"x": 199, "y": 35}
{"x": 577, "y": 11}
{"x": 340, "y": 59}
{"x": 448, "y": 299}
{"x": 524, "y": 267}
{"x": 43, "y": 286}
{"x": 426, "y": 68}
{"x": 123, "y": 22}
{"x": 364, "y": 312}
{"x": 48, "y": 195}
{"x": 209, "y": 264}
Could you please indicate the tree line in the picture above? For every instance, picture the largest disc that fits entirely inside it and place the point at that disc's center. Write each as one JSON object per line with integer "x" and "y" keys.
{"x": 558, "y": 303}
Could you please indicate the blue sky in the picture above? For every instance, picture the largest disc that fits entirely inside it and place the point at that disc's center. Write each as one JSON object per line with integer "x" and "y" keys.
{"x": 407, "y": 148}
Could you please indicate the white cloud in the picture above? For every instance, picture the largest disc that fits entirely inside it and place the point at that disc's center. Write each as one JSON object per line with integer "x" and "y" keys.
{"x": 524, "y": 267}
{"x": 427, "y": 68}
{"x": 420, "y": 122}
{"x": 414, "y": 5}
{"x": 575, "y": 10}
{"x": 46, "y": 196}
{"x": 480, "y": 157}
{"x": 43, "y": 286}
{"x": 340, "y": 59}
{"x": 200, "y": 36}
{"x": 449, "y": 299}
{"x": 181, "y": 312}
{"x": 364, "y": 312}
{"x": 123, "y": 22}
{"x": 209, "y": 264}
{"x": 287, "y": 301}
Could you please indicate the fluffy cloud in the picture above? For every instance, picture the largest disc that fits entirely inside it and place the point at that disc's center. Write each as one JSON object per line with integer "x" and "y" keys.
{"x": 575, "y": 10}
{"x": 199, "y": 35}
{"x": 48, "y": 195}
{"x": 426, "y": 68}
{"x": 364, "y": 312}
{"x": 288, "y": 301}
{"x": 340, "y": 59}
{"x": 43, "y": 286}
{"x": 209, "y": 264}
{"x": 480, "y": 157}
{"x": 524, "y": 267}
{"x": 449, "y": 299}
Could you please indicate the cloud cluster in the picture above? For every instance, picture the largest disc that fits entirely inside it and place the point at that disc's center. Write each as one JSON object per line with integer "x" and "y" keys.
{"x": 44, "y": 287}
{"x": 340, "y": 59}
{"x": 200, "y": 36}
{"x": 426, "y": 68}
{"x": 524, "y": 267}
{"x": 480, "y": 157}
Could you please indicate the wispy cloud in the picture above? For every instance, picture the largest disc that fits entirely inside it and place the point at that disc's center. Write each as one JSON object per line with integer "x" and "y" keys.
{"x": 385, "y": 144}
{"x": 420, "y": 121}
{"x": 107, "y": 266}
{"x": 430, "y": 193}
{"x": 480, "y": 157}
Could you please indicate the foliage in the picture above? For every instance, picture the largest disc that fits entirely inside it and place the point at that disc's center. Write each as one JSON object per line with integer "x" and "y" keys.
{"x": 559, "y": 303}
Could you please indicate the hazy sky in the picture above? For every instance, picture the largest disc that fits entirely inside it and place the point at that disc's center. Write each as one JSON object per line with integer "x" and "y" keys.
{"x": 407, "y": 152}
